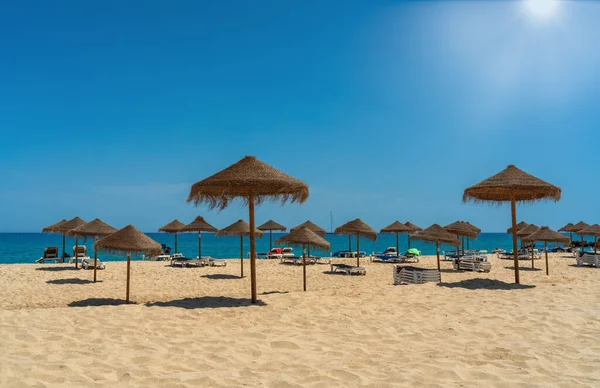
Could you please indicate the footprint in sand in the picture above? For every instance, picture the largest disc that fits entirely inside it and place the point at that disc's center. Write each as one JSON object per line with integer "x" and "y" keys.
{"x": 284, "y": 345}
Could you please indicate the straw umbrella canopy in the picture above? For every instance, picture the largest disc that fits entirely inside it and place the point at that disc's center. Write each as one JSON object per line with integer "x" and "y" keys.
{"x": 473, "y": 228}
{"x": 54, "y": 229}
{"x": 526, "y": 231}
{"x": 199, "y": 225}
{"x": 239, "y": 228}
{"x": 436, "y": 234}
{"x": 313, "y": 228}
{"x": 546, "y": 235}
{"x": 66, "y": 227}
{"x": 173, "y": 227}
{"x": 303, "y": 236}
{"x": 254, "y": 182}
{"x": 271, "y": 226}
{"x": 96, "y": 228}
{"x": 520, "y": 226}
{"x": 127, "y": 241}
{"x": 577, "y": 228}
{"x": 512, "y": 185}
{"x": 461, "y": 229}
{"x": 567, "y": 228}
{"x": 358, "y": 228}
{"x": 592, "y": 230}
{"x": 414, "y": 228}
{"x": 396, "y": 227}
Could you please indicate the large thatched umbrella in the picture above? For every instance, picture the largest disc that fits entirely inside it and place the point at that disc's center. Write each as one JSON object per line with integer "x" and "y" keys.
{"x": 512, "y": 185}
{"x": 592, "y": 230}
{"x": 414, "y": 228}
{"x": 271, "y": 226}
{"x": 239, "y": 228}
{"x": 436, "y": 234}
{"x": 358, "y": 228}
{"x": 577, "y": 228}
{"x": 461, "y": 229}
{"x": 127, "y": 241}
{"x": 53, "y": 229}
{"x": 546, "y": 235}
{"x": 199, "y": 225}
{"x": 303, "y": 236}
{"x": 567, "y": 229}
{"x": 173, "y": 227}
{"x": 254, "y": 182}
{"x": 527, "y": 231}
{"x": 66, "y": 227}
{"x": 96, "y": 228}
{"x": 396, "y": 227}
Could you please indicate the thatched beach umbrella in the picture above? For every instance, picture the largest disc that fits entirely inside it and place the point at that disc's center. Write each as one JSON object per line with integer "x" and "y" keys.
{"x": 546, "y": 235}
{"x": 396, "y": 227}
{"x": 436, "y": 234}
{"x": 96, "y": 228}
{"x": 173, "y": 227}
{"x": 527, "y": 231}
{"x": 128, "y": 241}
{"x": 461, "y": 229}
{"x": 239, "y": 228}
{"x": 199, "y": 225}
{"x": 254, "y": 182}
{"x": 512, "y": 185}
{"x": 414, "y": 228}
{"x": 271, "y": 226}
{"x": 54, "y": 229}
{"x": 66, "y": 227}
{"x": 313, "y": 228}
{"x": 303, "y": 236}
{"x": 577, "y": 228}
{"x": 359, "y": 228}
{"x": 520, "y": 226}
{"x": 567, "y": 229}
{"x": 474, "y": 229}
{"x": 592, "y": 230}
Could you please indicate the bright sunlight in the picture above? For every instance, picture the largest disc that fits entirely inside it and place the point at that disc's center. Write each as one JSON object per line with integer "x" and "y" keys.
{"x": 542, "y": 9}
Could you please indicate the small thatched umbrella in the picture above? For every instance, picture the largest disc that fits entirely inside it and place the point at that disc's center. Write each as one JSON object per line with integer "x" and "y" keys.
{"x": 358, "y": 228}
{"x": 396, "y": 227}
{"x": 437, "y": 234}
{"x": 577, "y": 228}
{"x": 474, "y": 229}
{"x": 520, "y": 226}
{"x": 53, "y": 229}
{"x": 239, "y": 228}
{"x": 313, "y": 228}
{"x": 592, "y": 230}
{"x": 127, "y": 241}
{"x": 66, "y": 227}
{"x": 271, "y": 226}
{"x": 461, "y": 229}
{"x": 199, "y": 225}
{"x": 512, "y": 185}
{"x": 254, "y": 182}
{"x": 414, "y": 228}
{"x": 527, "y": 231}
{"x": 546, "y": 235}
{"x": 303, "y": 236}
{"x": 173, "y": 227}
{"x": 567, "y": 229}
{"x": 96, "y": 228}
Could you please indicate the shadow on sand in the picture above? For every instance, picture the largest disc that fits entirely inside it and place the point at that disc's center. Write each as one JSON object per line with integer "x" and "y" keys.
{"x": 70, "y": 281}
{"x": 210, "y": 302}
{"x": 485, "y": 284}
{"x": 275, "y": 292}
{"x": 98, "y": 302}
{"x": 219, "y": 276}
{"x": 524, "y": 268}
{"x": 57, "y": 269}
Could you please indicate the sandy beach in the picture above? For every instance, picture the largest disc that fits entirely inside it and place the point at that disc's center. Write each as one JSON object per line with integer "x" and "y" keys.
{"x": 194, "y": 327}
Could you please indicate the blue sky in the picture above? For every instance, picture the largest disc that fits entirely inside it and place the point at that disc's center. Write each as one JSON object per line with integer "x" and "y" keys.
{"x": 387, "y": 109}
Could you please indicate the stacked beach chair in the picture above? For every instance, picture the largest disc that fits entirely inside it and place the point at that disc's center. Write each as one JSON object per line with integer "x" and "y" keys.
{"x": 414, "y": 275}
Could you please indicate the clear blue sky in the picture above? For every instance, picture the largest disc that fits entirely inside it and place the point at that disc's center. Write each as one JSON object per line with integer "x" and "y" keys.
{"x": 387, "y": 109}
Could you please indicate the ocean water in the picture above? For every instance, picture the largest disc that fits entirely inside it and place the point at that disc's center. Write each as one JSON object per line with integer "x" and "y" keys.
{"x": 28, "y": 247}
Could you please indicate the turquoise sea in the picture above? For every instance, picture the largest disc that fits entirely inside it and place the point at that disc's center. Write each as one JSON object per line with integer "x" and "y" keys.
{"x": 28, "y": 247}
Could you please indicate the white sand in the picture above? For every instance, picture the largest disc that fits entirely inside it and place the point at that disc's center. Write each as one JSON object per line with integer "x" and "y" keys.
{"x": 346, "y": 331}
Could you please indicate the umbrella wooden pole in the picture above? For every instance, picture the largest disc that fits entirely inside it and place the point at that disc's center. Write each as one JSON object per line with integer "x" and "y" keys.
{"x": 546, "y": 249}
{"x": 128, "y": 276}
{"x": 270, "y": 240}
{"x": 199, "y": 246}
{"x": 397, "y": 245}
{"x": 595, "y": 244}
{"x": 252, "y": 248}
{"x": 437, "y": 251}
{"x": 513, "y": 210}
{"x": 358, "y": 249}
{"x": 304, "y": 266}
{"x": 76, "y": 251}
{"x": 176, "y": 250}
{"x": 532, "y": 263}
{"x": 241, "y": 256}
{"x": 95, "y": 259}
{"x": 63, "y": 254}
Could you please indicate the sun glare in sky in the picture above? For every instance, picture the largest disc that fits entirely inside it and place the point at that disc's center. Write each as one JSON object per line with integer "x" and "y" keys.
{"x": 542, "y": 9}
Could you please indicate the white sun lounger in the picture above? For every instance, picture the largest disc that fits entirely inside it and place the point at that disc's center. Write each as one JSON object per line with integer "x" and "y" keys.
{"x": 88, "y": 263}
{"x": 414, "y": 275}
{"x": 589, "y": 259}
{"x": 347, "y": 269}
{"x": 472, "y": 264}
{"x": 50, "y": 254}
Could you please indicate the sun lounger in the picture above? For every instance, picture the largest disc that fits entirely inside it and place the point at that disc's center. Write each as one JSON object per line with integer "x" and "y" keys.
{"x": 348, "y": 269}
{"x": 217, "y": 262}
{"x": 50, "y": 254}
{"x": 88, "y": 263}
{"x": 473, "y": 263}
{"x": 321, "y": 260}
{"x": 415, "y": 275}
{"x": 297, "y": 260}
{"x": 589, "y": 258}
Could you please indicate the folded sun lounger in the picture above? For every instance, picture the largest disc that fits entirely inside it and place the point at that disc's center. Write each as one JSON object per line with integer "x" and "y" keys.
{"x": 88, "y": 263}
{"x": 348, "y": 269}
